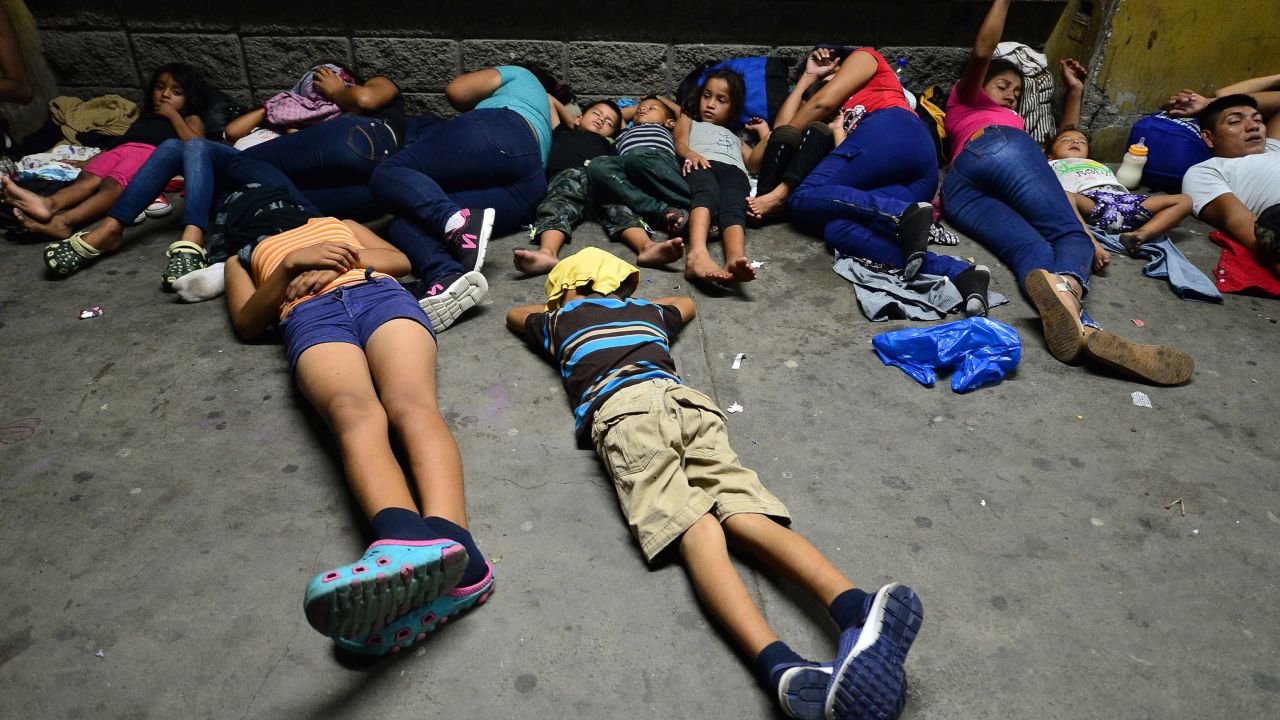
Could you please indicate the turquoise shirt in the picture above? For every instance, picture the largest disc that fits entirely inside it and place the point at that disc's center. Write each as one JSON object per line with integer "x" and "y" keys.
{"x": 522, "y": 94}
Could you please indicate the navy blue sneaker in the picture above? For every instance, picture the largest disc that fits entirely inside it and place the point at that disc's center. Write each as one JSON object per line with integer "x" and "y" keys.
{"x": 869, "y": 680}
{"x": 471, "y": 239}
{"x": 802, "y": 691}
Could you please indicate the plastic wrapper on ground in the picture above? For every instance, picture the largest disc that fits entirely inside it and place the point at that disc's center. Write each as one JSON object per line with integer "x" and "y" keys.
{"x": 978, "y": 351}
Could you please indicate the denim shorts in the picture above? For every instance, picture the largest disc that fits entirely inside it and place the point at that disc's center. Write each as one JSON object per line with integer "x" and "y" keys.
{"x": 349, "y": 314}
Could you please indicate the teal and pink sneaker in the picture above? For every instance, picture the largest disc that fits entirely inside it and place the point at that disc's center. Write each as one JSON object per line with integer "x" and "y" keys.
{"x": 415, "y": 626}
{"x": 393, "y": 577}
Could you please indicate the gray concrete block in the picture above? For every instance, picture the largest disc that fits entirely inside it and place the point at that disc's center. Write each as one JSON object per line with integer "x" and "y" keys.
{"x": 929, "y": 65}
{"x": 611, "y": 67}
{"x": 89, "y": 58}
{"x": 417, "y": 65}
{"x": 85, "y": 92}
{"x": 187, "y": 16}
{"x": 217, "y": 55}
{"x": 418, "y": 103}
{"x": 280, "y": 61}
{"x": 478, "y": 54}
{"x": 85, "y": 14}
{"x": 688, "y": 56}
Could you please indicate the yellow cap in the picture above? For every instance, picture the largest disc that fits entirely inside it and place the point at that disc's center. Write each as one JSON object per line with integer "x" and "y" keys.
{"x": 1139, "y": 148}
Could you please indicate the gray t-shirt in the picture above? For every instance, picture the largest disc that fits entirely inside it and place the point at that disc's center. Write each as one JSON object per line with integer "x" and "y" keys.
{"x": 716, "y": 143}
{"x": 1253, "y": 179}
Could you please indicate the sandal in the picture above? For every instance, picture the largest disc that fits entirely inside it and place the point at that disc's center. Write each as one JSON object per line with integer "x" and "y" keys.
{"x": 1063, "y": 331}
{"x": 184, "y": 257}
{"x": 417, "y": 624}
{"x": 1157, "y": 364}
{"x": 67, "y": 256}
{"x": 675, "y": 220}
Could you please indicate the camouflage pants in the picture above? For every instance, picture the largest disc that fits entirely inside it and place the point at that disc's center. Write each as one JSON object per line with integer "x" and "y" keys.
{"x": 569, "y": 199}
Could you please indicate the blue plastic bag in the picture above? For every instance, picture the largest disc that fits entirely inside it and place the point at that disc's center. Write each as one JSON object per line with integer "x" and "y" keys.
{"x": 979, "y": 350}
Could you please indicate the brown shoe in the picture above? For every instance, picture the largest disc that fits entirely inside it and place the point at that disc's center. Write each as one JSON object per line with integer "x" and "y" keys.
{"x": 1062, "y": 329}
{"x": 1158, "y": 364}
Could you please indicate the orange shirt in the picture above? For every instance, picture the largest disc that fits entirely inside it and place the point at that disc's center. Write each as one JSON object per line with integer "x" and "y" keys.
{"x": 273, "y": 250}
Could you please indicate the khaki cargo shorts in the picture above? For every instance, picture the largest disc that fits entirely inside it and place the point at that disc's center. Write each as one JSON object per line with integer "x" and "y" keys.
{"x": 667, "y": 449}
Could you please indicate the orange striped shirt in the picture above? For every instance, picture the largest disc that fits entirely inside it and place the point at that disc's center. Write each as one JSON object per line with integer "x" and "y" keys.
{"x": 273, "y": 250}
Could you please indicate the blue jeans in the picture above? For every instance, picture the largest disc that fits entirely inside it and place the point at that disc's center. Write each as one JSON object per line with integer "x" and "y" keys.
{"x": 197, "y": 161}
{"x": 325, "y": 167}
{"x": 1002, "y": 193}
{"x": 486, "y": 158}
{"x": 858, "y": 192}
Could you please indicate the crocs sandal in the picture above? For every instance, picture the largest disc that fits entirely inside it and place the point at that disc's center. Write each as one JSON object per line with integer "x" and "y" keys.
{"x": 184, "y": 257}
{"x": 67, "y": 256}
{"x": 415, "y": 626}
{"x": 392, "y": 578}
{"x": 1063, "y": 332}
{"x": 674, "y": 220}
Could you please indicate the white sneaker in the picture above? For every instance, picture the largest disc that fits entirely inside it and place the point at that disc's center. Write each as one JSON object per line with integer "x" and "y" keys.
{"x": 158, "y": 208}
{"x": 446, "y": 303}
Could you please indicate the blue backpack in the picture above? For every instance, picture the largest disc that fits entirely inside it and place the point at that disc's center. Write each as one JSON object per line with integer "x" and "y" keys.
{"x": 1174, "y": 145}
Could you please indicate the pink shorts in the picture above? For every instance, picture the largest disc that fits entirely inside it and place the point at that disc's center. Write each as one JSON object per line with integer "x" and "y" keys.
{"x": 120, "y": 163}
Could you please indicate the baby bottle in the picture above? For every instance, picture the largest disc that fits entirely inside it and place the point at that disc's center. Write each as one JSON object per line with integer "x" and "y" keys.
{"x": 1130, "y": 172}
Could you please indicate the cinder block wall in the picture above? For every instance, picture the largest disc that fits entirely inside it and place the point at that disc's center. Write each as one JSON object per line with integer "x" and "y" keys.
{"x": 252, "y": 50}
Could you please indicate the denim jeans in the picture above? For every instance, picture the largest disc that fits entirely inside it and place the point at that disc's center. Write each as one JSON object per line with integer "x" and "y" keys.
{"x": 325, "y": 167}
{"x": 858, "y": 192}
{"x": 486, "y": 158}
{"x": 1002, "y": 193}
{"x": 199, "y": 162}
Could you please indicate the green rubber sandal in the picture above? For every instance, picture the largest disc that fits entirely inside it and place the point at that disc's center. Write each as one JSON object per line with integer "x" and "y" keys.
{"x": 184, "y": 257}
{"x": 67, "y": 256}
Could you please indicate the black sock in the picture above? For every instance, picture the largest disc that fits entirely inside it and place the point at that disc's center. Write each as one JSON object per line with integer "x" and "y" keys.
{"x": 396, "y": 523}
{"x": 477, "y": 568}
{"x": 774, "y": 654}
{"x": 850, "y": 608}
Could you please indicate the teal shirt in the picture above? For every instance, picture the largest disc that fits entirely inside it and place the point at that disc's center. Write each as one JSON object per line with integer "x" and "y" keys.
{"x": 521, "y": 93}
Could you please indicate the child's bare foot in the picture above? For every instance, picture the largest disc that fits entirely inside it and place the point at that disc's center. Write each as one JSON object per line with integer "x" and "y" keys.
{"x": 534, "y": 262}
{"x": 740, "y": 269}
{"x": 36, "y": 207}
{"x": 698, "y": 265}
{"x": 661, "y": 253}
{"x": 1132, "y": 241}
{"x": 55, "y": 227}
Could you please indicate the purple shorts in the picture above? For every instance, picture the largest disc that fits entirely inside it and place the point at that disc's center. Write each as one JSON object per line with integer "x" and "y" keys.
{"x": 349, "y": 314}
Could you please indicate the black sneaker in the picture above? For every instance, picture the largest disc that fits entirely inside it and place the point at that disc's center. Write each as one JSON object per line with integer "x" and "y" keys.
{"x": 913, "y": 236}
{"x": 470, "y": 240}
{"x": 973, "y": 284}
{"x": 446, "y": 299}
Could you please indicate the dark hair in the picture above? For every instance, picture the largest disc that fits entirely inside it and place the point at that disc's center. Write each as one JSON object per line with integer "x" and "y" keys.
{"x": 194, "y": 87}
{"x": 1208, "y": 117}
{"x": 737, "y": 93}
{"x": 1051, "y": 141}
{"x": 1000, "y": 66}
{"x": 617, "y": 111}
{"x": 665, "y": 108}
{"x": 554, "y": 88}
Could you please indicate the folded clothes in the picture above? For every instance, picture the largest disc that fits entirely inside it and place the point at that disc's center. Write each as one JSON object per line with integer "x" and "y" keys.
{"x": 53, "y": 165}
{"x": 884, "y": 295}
{"x": 1166, "y": 261}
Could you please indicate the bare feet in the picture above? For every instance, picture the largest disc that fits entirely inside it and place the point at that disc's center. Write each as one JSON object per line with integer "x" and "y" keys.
{"x": 698, "y": 265}
{"x": 741, "y": 270}
{"x": 661, "y": 253}
{"x": 534, "y": 262}
{"x": 772, "y": 202}
{"x": 36, "y": 207}
{"x": 55, "y": 227}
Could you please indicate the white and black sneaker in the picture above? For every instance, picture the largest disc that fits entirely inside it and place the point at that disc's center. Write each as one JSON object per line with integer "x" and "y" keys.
{"x": 913, "y": 237}
{"x": 448, "y": 298}
{"x": 470, "y": 239}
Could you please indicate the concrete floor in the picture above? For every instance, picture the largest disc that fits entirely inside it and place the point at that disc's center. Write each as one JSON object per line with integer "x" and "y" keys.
{"x": 165, "y": 495}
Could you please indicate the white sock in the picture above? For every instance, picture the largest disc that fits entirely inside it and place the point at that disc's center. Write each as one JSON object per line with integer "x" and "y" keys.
{"x": 456, "y": 221}
{"x": 201, "y": 285}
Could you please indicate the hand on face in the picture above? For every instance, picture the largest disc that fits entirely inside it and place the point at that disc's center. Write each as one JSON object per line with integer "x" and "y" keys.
{"x": 327, "y": 82}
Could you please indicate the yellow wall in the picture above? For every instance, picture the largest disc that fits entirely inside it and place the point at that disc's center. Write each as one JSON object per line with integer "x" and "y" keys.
{"x": 1157, "y": 47}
